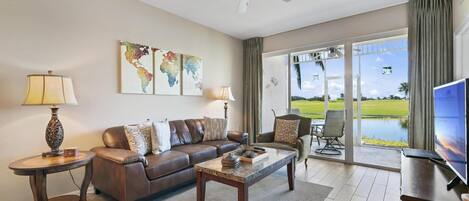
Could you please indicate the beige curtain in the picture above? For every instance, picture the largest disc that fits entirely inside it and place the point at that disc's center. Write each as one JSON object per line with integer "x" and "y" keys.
{"x": 430, "y": 64}
{"x": 252, "y": 90}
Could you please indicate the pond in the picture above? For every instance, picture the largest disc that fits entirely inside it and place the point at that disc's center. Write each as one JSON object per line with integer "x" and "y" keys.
{"x": 383, "y": 129}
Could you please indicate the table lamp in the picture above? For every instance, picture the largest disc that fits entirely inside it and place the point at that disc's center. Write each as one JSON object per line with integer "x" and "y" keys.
{"x": 226, "y": 95}
{"x": 53, "y": 90}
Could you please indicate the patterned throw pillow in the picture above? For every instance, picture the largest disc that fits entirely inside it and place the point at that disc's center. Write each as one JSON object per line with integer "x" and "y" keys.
{"x": 286, "y": 131}
{"x": 139, "y": 137}
{"x": 161, "y": 138}
{"x": 215, "y": 129}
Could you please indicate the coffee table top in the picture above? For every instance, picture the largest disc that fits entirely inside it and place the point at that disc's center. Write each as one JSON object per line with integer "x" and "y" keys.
{"x": 247, "y": 172}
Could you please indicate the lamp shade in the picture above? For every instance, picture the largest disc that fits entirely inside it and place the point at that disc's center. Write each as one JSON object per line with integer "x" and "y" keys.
{"x": 48, "y": 89}
{"x": 226, "y": 95}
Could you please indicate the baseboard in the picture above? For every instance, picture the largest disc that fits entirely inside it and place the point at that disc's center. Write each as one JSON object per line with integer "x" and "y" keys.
{"x": 77, "y": 192}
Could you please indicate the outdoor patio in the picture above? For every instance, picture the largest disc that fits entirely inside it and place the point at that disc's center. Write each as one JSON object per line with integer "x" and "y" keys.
{"x": 366, "y": 154}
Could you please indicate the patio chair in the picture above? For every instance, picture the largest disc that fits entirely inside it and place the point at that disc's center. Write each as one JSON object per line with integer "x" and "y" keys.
{"x": 332, "y": 131}
{"x": 302, "y": 147}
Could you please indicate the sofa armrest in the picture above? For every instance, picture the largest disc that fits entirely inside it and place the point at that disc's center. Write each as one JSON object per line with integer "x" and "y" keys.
{"x": 265, "y": 137}
{"x": 119, "y": 156}
{"x": 238, "y": 136}
{"x": 304, "y": 148}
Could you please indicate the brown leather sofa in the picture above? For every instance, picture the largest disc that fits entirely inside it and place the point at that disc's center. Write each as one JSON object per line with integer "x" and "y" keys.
{"x": 125, "y": 175}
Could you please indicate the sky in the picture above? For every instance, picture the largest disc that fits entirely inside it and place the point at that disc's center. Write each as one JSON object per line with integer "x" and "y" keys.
{"x": 373, "y": 83}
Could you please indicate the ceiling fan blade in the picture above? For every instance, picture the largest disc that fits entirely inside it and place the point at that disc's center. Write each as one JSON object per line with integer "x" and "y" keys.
{"x": 243, "y": 6}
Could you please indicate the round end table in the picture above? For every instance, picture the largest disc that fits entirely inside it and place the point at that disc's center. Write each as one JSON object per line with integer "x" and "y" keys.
{"x": 37, "y": 168}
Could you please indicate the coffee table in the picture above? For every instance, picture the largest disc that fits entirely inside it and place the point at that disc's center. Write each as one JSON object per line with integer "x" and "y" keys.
{"x": 246, "y": 174}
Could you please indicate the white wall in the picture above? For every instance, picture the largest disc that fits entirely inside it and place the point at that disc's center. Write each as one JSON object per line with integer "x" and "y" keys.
{"x": 461, "y": 43}
{"x": 275, "y": 90}
{"x": 387, "y": 19}
{"x": 460, "y": 11}
{"x": 80, "y": 38}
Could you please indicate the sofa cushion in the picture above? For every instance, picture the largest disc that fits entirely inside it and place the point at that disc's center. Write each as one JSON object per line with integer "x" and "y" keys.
{"x": 179, "y": 133}
{"x": 165, "y": 163}
{"x": 222, "y": 146}
{"x": 278, "y": 146}
{"x": 197, "y": 152}
{"x": 196, "y": 128}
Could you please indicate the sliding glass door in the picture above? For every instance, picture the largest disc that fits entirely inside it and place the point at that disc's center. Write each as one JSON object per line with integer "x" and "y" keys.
{"x": 364, "y": 79}
{"x": 317, "y": 87}
{"x": 380, "y": 77}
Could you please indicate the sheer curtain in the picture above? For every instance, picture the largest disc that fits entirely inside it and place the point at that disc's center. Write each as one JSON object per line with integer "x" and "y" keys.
{"x": 430, "y": 64}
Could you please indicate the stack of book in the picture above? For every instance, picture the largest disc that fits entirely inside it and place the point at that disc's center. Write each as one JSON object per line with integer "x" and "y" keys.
{"x": 230, "y": 161}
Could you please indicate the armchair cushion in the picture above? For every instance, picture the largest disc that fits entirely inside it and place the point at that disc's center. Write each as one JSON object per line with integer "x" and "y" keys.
{"x": 119, "y": 156}
{"x": 265, "y": 137}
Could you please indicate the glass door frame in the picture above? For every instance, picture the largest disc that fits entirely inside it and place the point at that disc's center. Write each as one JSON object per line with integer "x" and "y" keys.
{"x": 348, "y": 81}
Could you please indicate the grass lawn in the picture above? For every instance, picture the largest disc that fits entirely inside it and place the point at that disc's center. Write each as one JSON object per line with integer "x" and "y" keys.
{"x": 385, "y": 143}
{"x": 370, "y": 108}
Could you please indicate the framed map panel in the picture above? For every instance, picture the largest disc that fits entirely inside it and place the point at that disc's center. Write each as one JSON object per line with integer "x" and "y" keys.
{"x": 167, "y": 72}
{"x": 192, "y": 71}
{"x": 136, "y": 66}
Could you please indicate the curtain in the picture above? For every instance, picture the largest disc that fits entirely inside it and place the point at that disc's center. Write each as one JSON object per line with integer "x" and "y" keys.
{"x": 252, "y": 90}
{"x": 430, "y": 64}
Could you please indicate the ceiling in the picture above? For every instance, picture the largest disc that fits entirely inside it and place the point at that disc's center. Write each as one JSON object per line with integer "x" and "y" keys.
{"x": 266, "y": 17}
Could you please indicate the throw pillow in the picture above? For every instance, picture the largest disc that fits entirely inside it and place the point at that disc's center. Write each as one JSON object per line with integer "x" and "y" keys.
{"x": 147, "y": 129}
{"x": 286, "y": 131}
{"x": 215, "y": 129}
{"x": 161, "y": 137}
{"x": 139, "y": 138}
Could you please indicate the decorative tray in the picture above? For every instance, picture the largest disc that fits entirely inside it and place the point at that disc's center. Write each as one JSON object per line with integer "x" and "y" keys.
{"x": 260, "y": 155}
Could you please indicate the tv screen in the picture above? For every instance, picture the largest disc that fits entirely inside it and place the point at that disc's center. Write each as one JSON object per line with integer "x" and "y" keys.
{"x": 450, "y": 126}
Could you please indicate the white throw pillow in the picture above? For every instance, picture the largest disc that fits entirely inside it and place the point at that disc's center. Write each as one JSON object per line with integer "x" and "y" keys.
{"x": 161, "y": 137}
{"x": 215, "y": 129}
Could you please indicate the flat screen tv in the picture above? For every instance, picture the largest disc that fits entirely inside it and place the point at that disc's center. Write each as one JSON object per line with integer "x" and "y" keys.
{"x": 450, "y": 109}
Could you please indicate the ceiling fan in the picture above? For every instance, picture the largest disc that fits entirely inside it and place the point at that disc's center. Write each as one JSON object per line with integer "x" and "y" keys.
{"x": 244, "y": 4}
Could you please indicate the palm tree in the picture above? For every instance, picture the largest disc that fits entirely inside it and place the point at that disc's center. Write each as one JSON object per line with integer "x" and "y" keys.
{"x": 404, "y": 87}
{"x": 296, "y": 65}
{"x": 317, "y": 60}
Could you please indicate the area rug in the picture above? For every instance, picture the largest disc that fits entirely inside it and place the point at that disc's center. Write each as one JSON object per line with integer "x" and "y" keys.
{"x": 272, "y": 188}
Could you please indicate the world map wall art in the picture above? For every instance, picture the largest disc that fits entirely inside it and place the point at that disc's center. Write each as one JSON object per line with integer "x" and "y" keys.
{"x": 147, "y": 70}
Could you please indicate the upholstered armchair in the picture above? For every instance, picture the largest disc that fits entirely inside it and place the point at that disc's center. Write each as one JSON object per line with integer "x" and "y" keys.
{"x": 302, "y": 147}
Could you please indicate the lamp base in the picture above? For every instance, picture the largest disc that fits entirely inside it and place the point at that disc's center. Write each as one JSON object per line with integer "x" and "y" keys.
{"x": 226, "y": 109}
{"x": 54, "y": 135}
{"x": 52, "y": 153}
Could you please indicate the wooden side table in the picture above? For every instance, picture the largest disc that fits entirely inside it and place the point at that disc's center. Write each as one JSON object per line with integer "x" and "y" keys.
{"x": 37, "y": 168}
